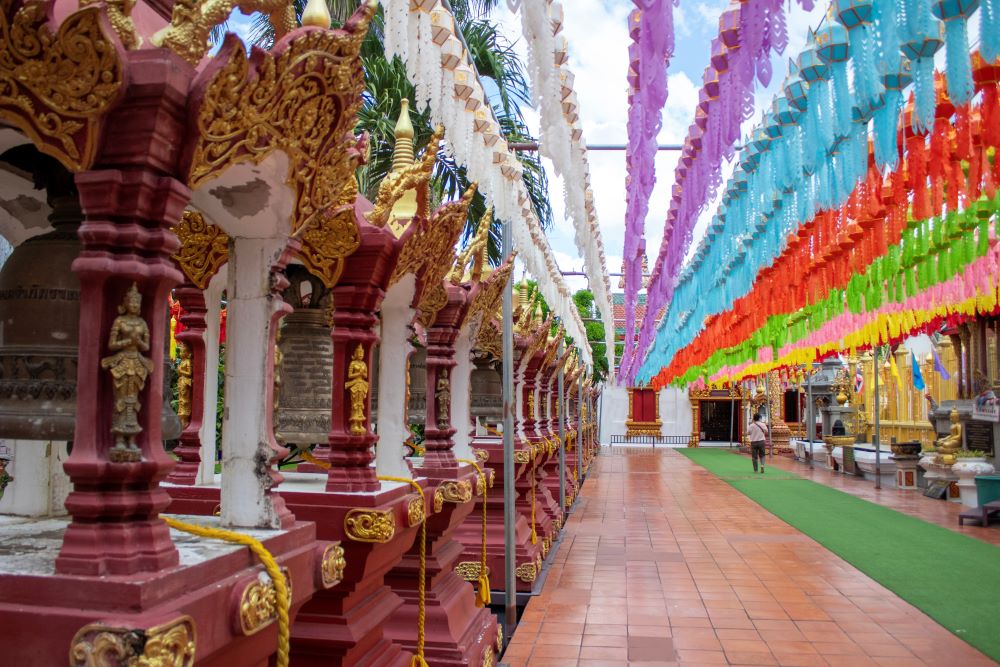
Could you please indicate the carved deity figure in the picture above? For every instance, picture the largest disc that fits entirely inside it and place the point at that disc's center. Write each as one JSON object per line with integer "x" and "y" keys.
{"x": 357, "y": 384}
{"x": 443, "y": 396}
{"x": 531, "y": 405}
{"x": 951, "y": 443}
{"x": 129, "y": 338}
{"x": 184, "y": 382}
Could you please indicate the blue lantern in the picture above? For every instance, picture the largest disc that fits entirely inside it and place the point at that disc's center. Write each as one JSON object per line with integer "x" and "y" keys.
{"x": 921, "y": 39}
{"x": 955, "y": 15}
{"x": 856, "y": 16}
{"x": 831, "y": 47}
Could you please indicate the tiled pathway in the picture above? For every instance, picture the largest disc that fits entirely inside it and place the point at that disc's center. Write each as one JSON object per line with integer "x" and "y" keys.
{"x": 662, "y": 563}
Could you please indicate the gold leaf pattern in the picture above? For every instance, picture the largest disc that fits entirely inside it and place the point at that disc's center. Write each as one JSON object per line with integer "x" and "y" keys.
{"x": 204, "y": 248}
{"x": 56, "y": 87}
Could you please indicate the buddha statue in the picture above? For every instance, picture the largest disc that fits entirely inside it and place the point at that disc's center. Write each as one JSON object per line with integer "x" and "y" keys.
{"x": 951, "y": 443}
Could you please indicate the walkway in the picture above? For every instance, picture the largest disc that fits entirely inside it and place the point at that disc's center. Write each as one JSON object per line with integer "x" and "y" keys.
{"x": 662, "y": 563}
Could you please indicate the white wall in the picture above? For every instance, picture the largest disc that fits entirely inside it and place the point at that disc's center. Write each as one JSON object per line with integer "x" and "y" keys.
{"x": 675, "y": 412}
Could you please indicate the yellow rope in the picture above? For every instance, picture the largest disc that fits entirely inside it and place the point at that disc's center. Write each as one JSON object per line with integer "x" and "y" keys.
{"x": 273, "y": 571}
{"x": 490, "y": 429}
{"x": 534, "y": 534}
{"x": 483, "y": 598}
{"x": 418, "y": 659}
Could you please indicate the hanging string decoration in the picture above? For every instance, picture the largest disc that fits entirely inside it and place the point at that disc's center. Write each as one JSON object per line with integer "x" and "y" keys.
{"x": 562, "y": 141}
{"x": 422, "y": 33}
{"x": 652, "y": 32}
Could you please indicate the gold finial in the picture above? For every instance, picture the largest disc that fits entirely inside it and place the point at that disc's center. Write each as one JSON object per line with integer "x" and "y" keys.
{"x": 402, "y": 153}
{"x": 317, "y": 14}
{"x": 475, "y": 252}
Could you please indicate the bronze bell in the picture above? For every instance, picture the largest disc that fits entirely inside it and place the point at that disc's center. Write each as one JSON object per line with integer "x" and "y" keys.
{"x": 40, "y": 315}
{"x": 302, "y": 414}
{"x": 417, "y": 407}
{"x": 487, "y": 392}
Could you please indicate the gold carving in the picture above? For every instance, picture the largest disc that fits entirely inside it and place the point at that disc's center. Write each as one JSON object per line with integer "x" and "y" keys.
{"x": 452, "y": 492}
{"x": 204, "y": 248}
{"x": 434, "y": 299}
{"x": 301, "y": 98}
{"x": 480, "y": 485}
{"x": 522, "y": 456}
{"x": 56, "y": 87}
{"x": 531, "y": 405}
{"x": 357, "y": 385}
{"x": 128, "y": 339}
{"x": 120, "y": 17}
{"x": 430, "y": 251}
{"x": 370, "y": 525}
{"x": 184, "y": 382}
{"x": 488, "y": 657}
{"x": 493, "y": 474}
{"x": 482, "y": 456}
{"x": 443, "y": 398}
{"x": 414, "y": 176}
{"x": 470, "y": 570}
{"x": 332, "y": 565}
{"x": 488, "y": 341}
{"x": 499, "y": 643}
{"x": 259, "y": 603}
{"x": 168, "y": 645}
{"x": 475, "y": 253}
{"x": 526, "y": 572}
{"x": 415, "y": 512}
{"x": 192, "y": 22}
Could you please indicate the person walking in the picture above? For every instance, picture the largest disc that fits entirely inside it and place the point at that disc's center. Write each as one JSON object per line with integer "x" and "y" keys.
{"x": 758, "y": 433}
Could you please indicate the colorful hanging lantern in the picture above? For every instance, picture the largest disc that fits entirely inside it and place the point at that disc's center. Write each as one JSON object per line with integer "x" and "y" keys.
{"x": 831, "y": 47}
{"x": 955, "y": 15}
{"x": 856, "y": 16}
{"x": 921, "y": 39}
{"x": 989, "y": 30}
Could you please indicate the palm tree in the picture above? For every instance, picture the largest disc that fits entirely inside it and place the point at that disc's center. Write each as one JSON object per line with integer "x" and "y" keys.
{"x": 386, "y": 85}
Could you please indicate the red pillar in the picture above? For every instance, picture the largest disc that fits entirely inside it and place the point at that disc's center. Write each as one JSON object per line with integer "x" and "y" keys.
{"x": 188, "y": 453}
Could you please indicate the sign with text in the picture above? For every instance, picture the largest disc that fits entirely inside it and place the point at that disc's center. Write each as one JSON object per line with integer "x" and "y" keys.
{"x": 986, "y": 407}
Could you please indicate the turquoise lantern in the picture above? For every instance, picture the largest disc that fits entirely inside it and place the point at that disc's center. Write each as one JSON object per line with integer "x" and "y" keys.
{"x": 921, "y": 39}
{"x": 856, "y": 16}
{"x": 832, "y": 48}
{"x": 955, "y": 15}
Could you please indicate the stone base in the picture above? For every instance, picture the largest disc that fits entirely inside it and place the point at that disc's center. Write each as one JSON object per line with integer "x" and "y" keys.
{"x": 48, "y": 616}
{"x": 470, "y": 533}
{"x": 906, "y": 471}
{"x": 458, "y": 633}
{"x": 344, "y": 624}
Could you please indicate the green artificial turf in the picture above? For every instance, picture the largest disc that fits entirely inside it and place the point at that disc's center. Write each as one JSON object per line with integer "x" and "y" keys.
{"x": 952, "y": 578}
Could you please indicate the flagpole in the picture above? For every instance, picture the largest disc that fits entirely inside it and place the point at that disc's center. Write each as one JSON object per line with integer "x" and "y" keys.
{"x": 878, "y": 460}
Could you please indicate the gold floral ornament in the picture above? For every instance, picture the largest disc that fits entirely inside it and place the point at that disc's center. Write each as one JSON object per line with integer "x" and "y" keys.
{"x": 57, "y": 87}
{"x": 488, "y": 340}
{"x": 526, "y": 572}
{"x": 415, "y": 512}
{"x": 168, "y": 645}
{"x": 204, "y": 248}
{"x": 357, "y": 386}
{"x": 470, "y": 570}
{"x": 473, "y": 256}
{"x": 258, "y": 607}
{"x": 300, "y": 98}
{"x": 452, "y": 492}
{"x": 332, "y": 565}
{"x": 370, "y": 525}
{"x": 128, "y": 339}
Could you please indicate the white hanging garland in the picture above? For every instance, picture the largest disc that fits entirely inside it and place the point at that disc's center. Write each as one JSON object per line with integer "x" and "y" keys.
{"x": 423, "y": 34}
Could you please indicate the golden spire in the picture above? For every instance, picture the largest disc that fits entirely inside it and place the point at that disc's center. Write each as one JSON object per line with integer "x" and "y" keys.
{"x": 317, "y": 14}
{"x": 402, "y": 152}
{"x": 405, "y": 207}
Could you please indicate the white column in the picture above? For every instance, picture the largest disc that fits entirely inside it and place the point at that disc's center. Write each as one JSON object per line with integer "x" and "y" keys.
{"x": 213, "y": 320}
{"x": 249, "y": 358}
{"x": 394, "y": 351}
{"x": 461, "y": 395}
{"x": 40, "y": 484}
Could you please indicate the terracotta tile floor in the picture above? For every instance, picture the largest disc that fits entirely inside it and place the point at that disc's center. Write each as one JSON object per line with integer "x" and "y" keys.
{"x": 664, "y": 564}
{"x": 912, "y": 502}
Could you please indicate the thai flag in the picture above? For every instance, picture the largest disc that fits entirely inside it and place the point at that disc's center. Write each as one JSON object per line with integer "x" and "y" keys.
{"x": 859, "y": 380}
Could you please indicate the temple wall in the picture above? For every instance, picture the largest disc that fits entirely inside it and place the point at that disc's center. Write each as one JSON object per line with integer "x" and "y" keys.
{"x": 675, "y": 412}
